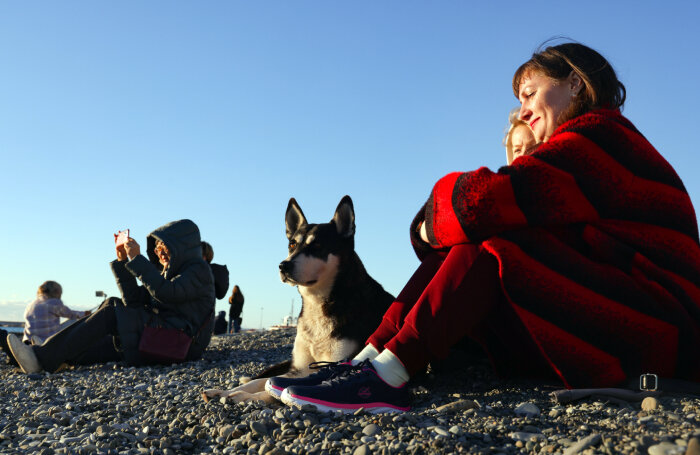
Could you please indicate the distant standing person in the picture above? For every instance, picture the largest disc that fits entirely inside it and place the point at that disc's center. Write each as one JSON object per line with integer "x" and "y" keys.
{"x": 42, "y": 317}
{"x": 219, "y": 271}
{"x": 234, "y": 314}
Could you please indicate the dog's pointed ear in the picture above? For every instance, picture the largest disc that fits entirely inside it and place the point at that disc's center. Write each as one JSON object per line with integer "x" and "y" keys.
{"x": 344, "y": 217}
{"x": 294, "y": 218}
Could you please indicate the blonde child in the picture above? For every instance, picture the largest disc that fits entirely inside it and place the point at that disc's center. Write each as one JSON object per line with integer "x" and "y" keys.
{"x": 519, "y": 139}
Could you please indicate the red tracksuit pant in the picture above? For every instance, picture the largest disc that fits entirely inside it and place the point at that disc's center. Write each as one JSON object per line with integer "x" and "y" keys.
{"x": 450, "y": 296}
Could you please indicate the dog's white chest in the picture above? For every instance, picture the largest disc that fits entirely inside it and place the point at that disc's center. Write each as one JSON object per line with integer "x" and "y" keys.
{"x": 314, "y": 340}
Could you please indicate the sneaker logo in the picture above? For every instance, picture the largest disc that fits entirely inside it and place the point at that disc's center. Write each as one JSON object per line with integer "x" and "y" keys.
{"x": 364, "y": 392}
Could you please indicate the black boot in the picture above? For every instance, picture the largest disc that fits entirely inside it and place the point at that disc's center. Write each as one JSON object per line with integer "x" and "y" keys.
{"x": 6, "y": 348}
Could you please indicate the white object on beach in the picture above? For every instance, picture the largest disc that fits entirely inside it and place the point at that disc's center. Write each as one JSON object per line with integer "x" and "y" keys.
{"x": 24, "y": 355}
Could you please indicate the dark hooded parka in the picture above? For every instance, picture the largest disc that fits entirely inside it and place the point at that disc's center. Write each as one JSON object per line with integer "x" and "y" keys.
{"x": 181, "y": 296}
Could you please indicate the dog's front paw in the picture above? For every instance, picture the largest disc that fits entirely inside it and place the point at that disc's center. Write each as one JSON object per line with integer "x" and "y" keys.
{"x": 208, "y": 394}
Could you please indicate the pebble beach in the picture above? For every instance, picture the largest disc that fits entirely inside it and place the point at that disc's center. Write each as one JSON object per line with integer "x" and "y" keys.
{"x": 114, "y": 409}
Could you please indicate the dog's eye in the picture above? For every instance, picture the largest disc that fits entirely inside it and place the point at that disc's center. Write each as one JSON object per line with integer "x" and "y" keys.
{"x": 292, "y": 245}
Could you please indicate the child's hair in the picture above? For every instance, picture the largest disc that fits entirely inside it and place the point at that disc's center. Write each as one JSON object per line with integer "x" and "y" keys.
{"x": 50, "y": 289}
{"x": 513, "y": 123}
{"x": 207, "y": 252}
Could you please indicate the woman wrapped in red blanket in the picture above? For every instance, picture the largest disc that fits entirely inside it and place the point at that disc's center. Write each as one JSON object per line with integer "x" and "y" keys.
{"x": 580, "y": 261}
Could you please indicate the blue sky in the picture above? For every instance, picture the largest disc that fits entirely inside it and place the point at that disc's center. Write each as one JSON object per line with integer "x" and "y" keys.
{"x": 131, "y": 114}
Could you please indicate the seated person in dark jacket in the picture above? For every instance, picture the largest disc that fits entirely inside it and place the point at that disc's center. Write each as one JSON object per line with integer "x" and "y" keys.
{"x": 220, "y": 271}
{"x": 220, "y": 323}
{"x": 177, "y": 292}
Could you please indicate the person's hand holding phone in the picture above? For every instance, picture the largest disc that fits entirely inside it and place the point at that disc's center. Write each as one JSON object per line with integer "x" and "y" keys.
{"x": 132, "y": 248}
{"x": 119, "y": 240}
{"x": 121, "y": 253}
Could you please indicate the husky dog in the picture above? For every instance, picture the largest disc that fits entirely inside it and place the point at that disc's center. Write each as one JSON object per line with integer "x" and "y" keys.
{"x": 341, "y": 304}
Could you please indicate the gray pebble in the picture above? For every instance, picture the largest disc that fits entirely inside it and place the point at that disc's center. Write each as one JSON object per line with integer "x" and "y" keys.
{"x": 334, "y": 436}
{"x": 226, "y": 430}
{"x": 258, "y": 428}
{"x": 527, "y": 410}
{"x": 524, "y": 436}
{"x": 666, "y": 448}
{"x": 441, "y": 431}
{"x": 583, "y": 444}
{"x": 370, "y": 430}
{"x": 650, "y": 404}
{"x": 362, "y": 450}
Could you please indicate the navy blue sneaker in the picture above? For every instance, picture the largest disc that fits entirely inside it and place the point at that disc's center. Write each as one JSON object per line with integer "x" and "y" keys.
{"x": 326, "y": 370}
{"x": 358, "y": 388}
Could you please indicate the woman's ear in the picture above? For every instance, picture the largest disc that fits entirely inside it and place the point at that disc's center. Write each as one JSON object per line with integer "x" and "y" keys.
{"x": 575, "y": 83}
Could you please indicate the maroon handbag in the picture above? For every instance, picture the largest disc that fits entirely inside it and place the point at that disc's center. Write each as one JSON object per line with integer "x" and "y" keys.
{"x": 164, "y": 345}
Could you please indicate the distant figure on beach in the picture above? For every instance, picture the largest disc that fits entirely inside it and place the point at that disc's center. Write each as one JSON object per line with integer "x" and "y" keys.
{"x": 42, "y": 317}
{"x": 220, "y": 272}
{"x": 177, "y": 292}
{"x": 220, "y": 323}
{"x": 519, "y": 139}
{"x": 578, "y": 263}
{"x": 234, "y": 314}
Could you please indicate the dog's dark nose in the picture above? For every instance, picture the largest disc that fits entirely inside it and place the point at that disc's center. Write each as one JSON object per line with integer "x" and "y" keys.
{"x": 285, "y": 266}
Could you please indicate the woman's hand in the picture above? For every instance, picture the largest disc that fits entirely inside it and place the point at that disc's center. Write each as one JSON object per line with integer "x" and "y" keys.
{"x": 132, "y": 248}
{"x": 424, "y": 233}
{"x": 121, "y": 253}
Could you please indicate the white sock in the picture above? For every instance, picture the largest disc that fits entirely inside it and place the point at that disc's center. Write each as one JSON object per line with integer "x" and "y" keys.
{"x": 390, "y": 368}
{"x": 369, "y": 352}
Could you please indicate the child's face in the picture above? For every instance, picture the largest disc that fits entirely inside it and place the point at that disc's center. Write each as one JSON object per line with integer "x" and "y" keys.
{"x": 521, "y": 140}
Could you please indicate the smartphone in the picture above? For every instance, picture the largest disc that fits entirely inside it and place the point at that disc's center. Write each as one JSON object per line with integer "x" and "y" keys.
{"x": 122, "y": 237}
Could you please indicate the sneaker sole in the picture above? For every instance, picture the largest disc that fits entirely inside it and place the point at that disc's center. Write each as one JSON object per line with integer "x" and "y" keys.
{"x": 27, "y": 363}
{"x": 276, "y": 392}
{"x": 326, "y": 406}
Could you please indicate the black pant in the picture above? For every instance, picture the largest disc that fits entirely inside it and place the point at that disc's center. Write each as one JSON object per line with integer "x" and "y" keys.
{"x": 85, "y": 342}
{"x": 6, "y": 348}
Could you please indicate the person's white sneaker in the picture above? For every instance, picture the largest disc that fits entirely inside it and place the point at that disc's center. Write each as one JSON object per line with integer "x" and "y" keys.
{"x": 24, "y": 355}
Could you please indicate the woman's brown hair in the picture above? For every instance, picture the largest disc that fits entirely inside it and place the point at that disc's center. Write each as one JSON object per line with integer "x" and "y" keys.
{"x": 236, "y": 292}
{"x": 601, "y": 88}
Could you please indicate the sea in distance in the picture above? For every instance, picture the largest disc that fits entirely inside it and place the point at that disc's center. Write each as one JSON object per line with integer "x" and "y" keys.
{"x": 12, "y": 329}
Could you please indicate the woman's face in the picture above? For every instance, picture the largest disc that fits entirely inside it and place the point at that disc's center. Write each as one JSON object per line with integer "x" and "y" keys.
{"x": 521, "y": 140}
{"x": 543, "y": 101}
{"x": 162, "y": 252}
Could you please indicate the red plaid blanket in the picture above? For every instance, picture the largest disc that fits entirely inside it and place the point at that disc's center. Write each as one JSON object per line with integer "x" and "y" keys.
{"x": 598, "y": 247}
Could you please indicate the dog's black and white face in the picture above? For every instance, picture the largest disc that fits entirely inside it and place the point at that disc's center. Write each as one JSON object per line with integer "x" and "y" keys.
{"x": 316, "y": 250}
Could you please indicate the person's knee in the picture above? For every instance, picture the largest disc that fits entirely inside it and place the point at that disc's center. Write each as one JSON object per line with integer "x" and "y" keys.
{"x": 110, "y": 302}
{"x": 114, "y": 301}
